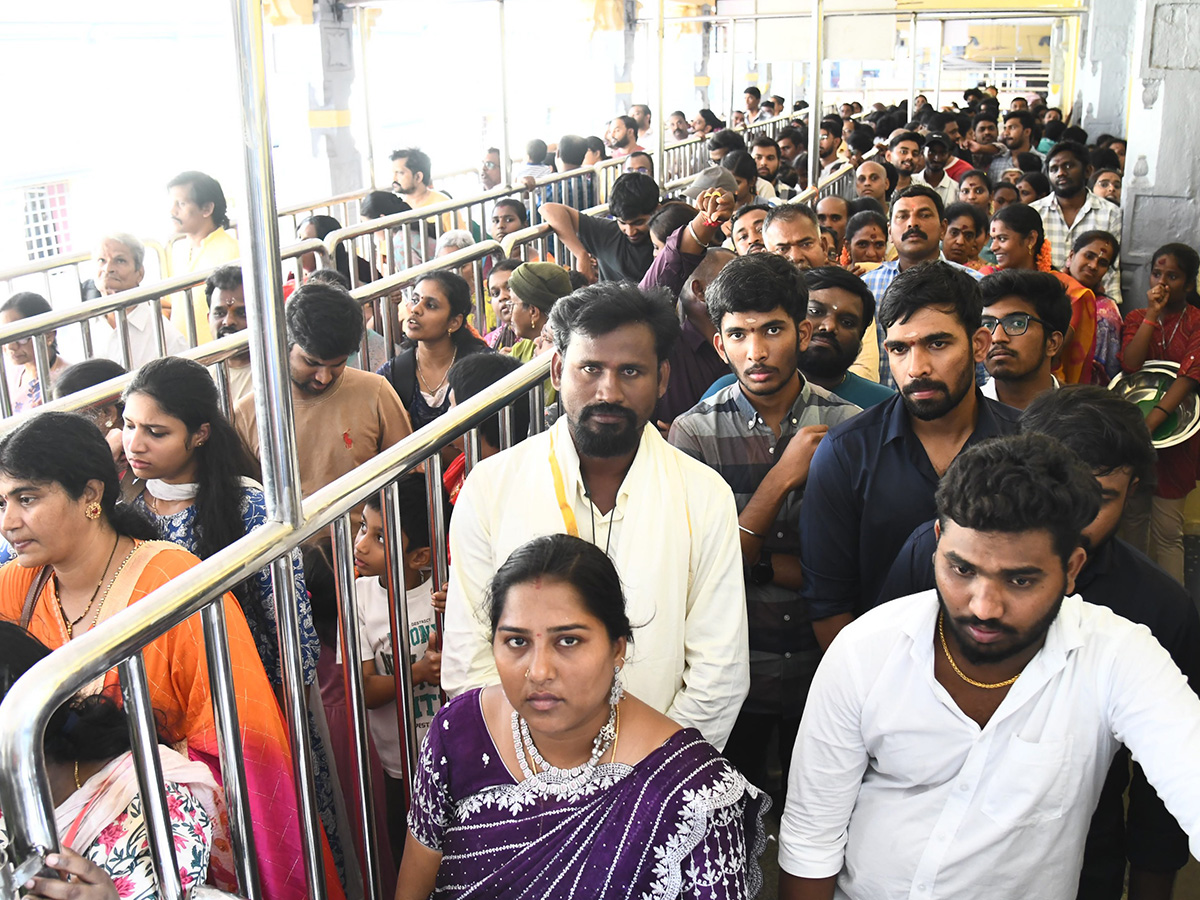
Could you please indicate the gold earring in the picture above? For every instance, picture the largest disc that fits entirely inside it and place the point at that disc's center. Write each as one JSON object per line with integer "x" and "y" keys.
{"x": 93, "y": 510}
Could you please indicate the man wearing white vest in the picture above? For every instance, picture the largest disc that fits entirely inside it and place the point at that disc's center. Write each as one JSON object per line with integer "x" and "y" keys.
{"x": 668, "y": 522}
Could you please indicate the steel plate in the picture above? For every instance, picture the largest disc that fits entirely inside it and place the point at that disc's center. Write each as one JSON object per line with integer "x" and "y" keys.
{"x": 1146, "y": 386}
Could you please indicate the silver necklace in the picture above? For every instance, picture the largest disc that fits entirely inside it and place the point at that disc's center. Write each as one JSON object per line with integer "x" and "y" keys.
{"x": 445, "y": 375}
{"x": 550, "y": 780}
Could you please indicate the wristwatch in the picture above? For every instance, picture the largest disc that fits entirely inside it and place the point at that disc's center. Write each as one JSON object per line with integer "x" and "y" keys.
{"x": 762, "y": 572}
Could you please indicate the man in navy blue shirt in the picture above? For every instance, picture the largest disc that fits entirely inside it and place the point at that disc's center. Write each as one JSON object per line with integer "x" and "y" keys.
{"x": 873, "y": 479}
{"x": 1109, "y": 434}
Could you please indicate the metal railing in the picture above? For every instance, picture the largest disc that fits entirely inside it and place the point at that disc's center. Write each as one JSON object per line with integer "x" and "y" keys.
{"x": 690, "y": 156}
{"x": 62, "y": 277}
{"x": 38, "y": 328}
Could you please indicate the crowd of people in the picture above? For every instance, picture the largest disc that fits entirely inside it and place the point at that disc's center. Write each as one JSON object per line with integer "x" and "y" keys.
{"x": 829, "y": 519}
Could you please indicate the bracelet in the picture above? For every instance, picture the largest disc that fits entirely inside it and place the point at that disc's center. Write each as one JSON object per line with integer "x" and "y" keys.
{"x": 761, "y": 537}
{"x": 1165, "y": 412}
{"x": 696, "y": 237}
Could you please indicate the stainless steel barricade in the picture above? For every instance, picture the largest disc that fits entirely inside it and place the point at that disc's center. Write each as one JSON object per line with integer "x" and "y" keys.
{"x": 24, "y": 790}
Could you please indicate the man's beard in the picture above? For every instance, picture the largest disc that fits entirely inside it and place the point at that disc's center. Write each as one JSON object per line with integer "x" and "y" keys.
{"x": 603, "y": 441}
{"x": 935, "y": 408}
{"x": 824, "y": 361}
{"x": 986, "y": 654}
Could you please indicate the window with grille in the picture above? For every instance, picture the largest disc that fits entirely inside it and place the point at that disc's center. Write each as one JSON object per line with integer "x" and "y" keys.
{"x": 46, "y": 231}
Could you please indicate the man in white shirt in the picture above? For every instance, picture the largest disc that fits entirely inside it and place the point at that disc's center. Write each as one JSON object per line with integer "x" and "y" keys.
{"x": 955, "y": 741}
{"x": 120, "y": 266}
{"x": 668, "y": 521}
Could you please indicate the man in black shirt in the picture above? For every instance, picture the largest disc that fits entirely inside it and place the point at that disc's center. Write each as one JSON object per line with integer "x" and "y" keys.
{"x": 1109, "y": 434}
{"x": 621, "y": 245}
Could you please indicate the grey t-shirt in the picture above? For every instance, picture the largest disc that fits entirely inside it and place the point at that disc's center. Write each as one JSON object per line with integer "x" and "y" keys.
{"x": 619, "y": 259}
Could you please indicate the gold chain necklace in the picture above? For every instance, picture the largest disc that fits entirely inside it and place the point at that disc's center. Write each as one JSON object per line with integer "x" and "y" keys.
{"x": 445, "y": 375}
{"x": 62, "y": 612}
{"x": 959, "y": 672}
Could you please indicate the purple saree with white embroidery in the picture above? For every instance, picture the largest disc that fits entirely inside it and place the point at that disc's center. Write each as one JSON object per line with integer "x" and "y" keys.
{"x": 680, "y": 823}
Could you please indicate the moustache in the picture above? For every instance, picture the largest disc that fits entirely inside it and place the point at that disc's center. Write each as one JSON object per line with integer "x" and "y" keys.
{"x": 924, "y": 384}
{"x": 990, "y": 624}
{"x": 226, "y": 330}
{"x": 914, "y": 232}
{"x": 607, "y": 409}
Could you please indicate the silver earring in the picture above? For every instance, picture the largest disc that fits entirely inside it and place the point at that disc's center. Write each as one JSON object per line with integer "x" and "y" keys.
{"x": 617, "y": 692}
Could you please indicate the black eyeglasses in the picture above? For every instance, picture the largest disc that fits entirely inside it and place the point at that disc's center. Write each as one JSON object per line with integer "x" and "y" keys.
{"x": 1014, "y": 324}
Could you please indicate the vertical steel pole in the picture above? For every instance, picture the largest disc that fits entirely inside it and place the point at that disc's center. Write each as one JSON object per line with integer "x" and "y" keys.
{"x": 816, "y": 65}
{"x": 144, "y": 745}
{"x": 912, "y": 75}
{"x": 937, "y": 78}
{"x": 41, "y": 358}
{"x": 505, "y": 144}
{"x": 660, "y": 139}
{"x": 732, "y": 42}
{"x": 398, "y": 616}
{"x": 361, "y": 14}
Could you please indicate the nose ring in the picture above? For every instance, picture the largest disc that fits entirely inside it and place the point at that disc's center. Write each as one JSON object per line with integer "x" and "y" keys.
{"x": 527, "y": 674}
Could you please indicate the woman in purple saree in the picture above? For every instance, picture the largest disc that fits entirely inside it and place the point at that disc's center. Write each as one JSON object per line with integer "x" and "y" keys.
{"x": 556, "y": 784}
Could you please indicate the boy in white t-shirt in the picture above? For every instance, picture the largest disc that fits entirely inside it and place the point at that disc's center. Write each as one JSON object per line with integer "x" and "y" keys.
{"x": 375, "y": 639}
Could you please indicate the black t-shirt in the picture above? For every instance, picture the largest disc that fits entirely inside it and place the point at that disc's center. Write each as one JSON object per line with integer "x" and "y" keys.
{"x": 619, "y": 259}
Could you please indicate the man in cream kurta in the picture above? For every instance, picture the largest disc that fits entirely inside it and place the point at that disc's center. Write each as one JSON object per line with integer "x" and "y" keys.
{"x": 672, "y": 535}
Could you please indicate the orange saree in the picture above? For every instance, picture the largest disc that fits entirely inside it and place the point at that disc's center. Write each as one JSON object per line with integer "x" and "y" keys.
{"x": 177, "y": 672}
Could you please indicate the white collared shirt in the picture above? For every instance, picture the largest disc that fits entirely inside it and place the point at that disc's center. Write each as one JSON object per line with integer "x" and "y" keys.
{"x": 905, "y": 796}
{"x": 673, "y": 537}
{"x": 143, "y": 345}
{"x": 988, "y": 388}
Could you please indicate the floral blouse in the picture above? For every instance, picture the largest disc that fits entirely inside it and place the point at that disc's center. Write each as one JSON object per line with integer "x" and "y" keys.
{"x": 123, "y": 848}
{"x": 260, "y": 606}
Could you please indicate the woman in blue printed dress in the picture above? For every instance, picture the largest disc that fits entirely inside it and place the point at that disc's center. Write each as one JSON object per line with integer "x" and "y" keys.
{"x": 196, "y": 481}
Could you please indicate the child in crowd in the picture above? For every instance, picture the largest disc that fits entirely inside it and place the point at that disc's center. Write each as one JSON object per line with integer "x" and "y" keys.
{"x": 375, "y": 639}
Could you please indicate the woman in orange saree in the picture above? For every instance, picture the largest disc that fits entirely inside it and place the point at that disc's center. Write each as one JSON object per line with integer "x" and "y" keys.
{"x": 80, "y": 560}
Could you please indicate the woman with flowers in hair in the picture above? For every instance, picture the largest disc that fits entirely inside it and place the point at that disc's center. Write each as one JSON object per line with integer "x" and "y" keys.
{"x": 1019, "y": 242}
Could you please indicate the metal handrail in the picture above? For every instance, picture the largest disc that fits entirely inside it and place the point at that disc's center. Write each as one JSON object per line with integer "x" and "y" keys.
{"x": 26, "y": 710}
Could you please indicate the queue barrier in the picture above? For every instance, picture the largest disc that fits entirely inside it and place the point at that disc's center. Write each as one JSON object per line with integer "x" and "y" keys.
{"x": 24, "y": 789}
{"x": 690, "y": 156}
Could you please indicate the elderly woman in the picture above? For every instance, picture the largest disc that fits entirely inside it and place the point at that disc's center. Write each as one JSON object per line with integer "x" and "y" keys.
{"x": 556, "y": 782}
{"x": 81, "y": 559}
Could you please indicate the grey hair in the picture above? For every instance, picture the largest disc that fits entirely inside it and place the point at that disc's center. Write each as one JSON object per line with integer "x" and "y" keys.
{"x": 457, "y": 239}
{"x": 136, "y": 249}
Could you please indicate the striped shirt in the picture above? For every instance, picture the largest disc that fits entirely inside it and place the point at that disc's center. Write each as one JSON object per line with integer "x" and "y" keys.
{"x": 1096, "y": 214}
{"x": 727, "y": 433}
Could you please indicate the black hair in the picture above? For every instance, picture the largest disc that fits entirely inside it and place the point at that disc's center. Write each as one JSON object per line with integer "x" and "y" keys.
{"x": 1053, "y": 130}
{"x": 792, "y": 134}
{"x": 416, "y": 161}
{"x": 571, "y": 561}
{"x": 601, "y": 309}
{"x": 633, "y": 195}
{"x": 1023, "y": 115}
{"x": 66, "y": 449}
{"x": 1023, "y": 482}
{"x": 1104, "y": 158}
{"x": 753, "y": 92}
{"x": 1029, "y": 162}
{"x": 823, "y": 277}
{"x": 331, "y": 277}
{"x": 984, "y": 117}
{"x": 1036, "y": 180}
{"x": 742, "y": 165}
{"x": 861, "y": 220}
{"x": 517, "y": 206}
{"x": 325, "y": 226}
{"x": 910, "y": 136}
{"x": 790, "y": 212}
{"x": 458, "y": 295}
{"x": 749, "y": 208}
{"x": 937, "y": 122}
{"x": 726, "y": 139}
{"x": 937, "y": 284}
{"x": 669, "y": 218}
{"x": 1079, "y": 151}
{"x": 1188, "y": 260}
{"x": 1088, "y": 237}
{"x": 831, "y": 125}
{"x": 87, "y": 374}
{"x": 922, "y": 190}
{"x": 758, "y": 282}
{"x": 1023, "y": 220}
{"x": 506, "y": 265}
{"x": 378, "y": 204}
{"x": 597, "y": 145}
{"x": 572, "y": 148}
{"x": 535, "y": 150}
{"x": 325, "y": 321}
{"x": 961, "y": 208}
{"x": 867, "y": 204}
{"x": 28, "y": 304}
{"x": 861, "y": 139}
{"x": 414, "y": 507}
{"x": 223, "y": 278}
{"x": 83, "y": 729}
{"x": 1007, "y": 186}
{"x": 711, "y": 120}
{"x": 321, "y": 583}
{"x": 982, "y": 176}
{"x": 1105, "y": 430}
{"x": 1075, "y": 134}
{"x": 765, "y": 140}
{"x": 204, "y": 189}
{"x": 184, "y": 390}
{"x": 1040, "y": 289}
{"x": 472, "y": 374}
{"x": 629, "y": 122}
{"x": 893, "y": 177}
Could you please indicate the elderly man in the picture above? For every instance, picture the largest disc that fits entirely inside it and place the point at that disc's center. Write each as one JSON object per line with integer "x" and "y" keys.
{"x": 119, "y": 267}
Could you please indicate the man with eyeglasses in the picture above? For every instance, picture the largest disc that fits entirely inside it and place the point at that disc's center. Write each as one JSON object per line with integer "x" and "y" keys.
{"x": 1028, "y": 315}
{"x": 491, "y": 173}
